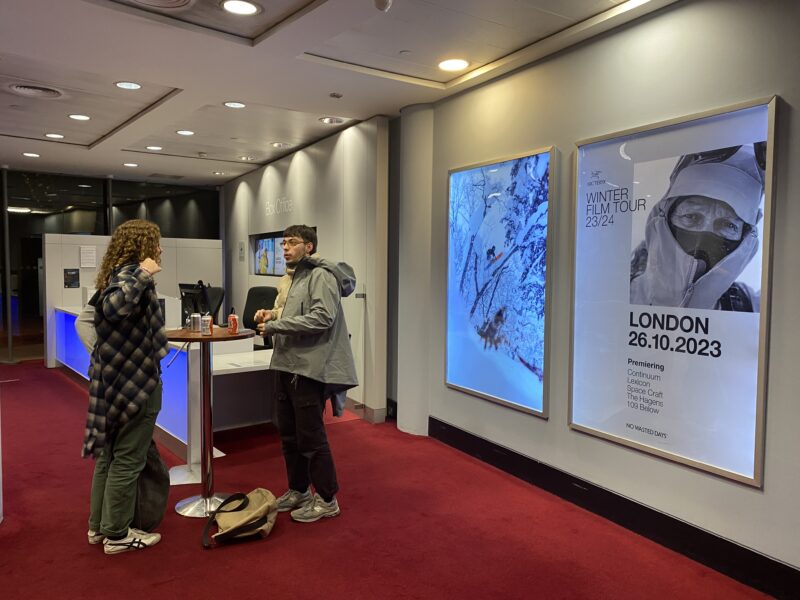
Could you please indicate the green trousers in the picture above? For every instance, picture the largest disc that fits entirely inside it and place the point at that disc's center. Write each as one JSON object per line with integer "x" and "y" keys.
{"x": 115, "y": 478}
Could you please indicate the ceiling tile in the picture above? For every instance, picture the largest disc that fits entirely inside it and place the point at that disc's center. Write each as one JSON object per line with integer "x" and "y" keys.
{"x": 80, "y": 93}
{"x": 209, "y": 14}
{"x": 227, "y": 134}
{"x": 434, "y": 30}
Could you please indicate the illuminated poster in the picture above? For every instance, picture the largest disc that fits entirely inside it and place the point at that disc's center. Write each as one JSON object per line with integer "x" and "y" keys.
{"x": 496, "y": 300}
{"x": 670, "y": 311}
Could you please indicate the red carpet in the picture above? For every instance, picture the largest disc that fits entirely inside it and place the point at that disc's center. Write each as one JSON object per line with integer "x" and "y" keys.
{"x": 419, "y": 520}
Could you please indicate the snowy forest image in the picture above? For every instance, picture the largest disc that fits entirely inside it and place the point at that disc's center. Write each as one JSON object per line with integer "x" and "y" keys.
{"x": 496, "y": 279}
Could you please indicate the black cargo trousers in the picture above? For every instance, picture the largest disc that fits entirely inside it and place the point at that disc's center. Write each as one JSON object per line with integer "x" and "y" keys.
{"x": 300, "y": 406}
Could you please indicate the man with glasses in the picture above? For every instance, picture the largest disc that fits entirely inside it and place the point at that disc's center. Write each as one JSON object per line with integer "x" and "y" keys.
{"x": 312, "y": 354}
{"x": 703, "y": 233}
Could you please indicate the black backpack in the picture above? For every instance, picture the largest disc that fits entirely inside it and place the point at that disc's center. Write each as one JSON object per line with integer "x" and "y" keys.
{"x": 152, "y": 492}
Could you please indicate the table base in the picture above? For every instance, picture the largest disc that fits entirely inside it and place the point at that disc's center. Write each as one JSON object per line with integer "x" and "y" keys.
{"x": 200, "y": 507}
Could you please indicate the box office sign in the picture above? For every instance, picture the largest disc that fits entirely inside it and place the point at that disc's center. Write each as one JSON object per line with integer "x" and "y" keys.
{"x": 670, "y": 311}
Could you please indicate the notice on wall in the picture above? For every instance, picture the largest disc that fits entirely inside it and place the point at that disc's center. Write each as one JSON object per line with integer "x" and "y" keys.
{"x": 669, "y": 283}
{"x": 88, "y": 257}
{"x": 72, "y": 278}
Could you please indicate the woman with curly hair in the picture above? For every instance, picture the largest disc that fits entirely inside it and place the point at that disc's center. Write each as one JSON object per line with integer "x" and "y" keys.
{"x": 125, "y": 383}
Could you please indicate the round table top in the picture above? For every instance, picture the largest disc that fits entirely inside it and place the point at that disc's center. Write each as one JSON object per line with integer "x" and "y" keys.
{"x": 219, "y": 334}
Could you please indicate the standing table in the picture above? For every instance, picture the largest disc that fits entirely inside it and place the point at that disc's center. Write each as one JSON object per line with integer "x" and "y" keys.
{"x": 207, "y": 501}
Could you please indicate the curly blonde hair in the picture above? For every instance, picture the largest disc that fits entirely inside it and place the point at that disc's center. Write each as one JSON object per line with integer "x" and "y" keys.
{"x": 132, "y": 242}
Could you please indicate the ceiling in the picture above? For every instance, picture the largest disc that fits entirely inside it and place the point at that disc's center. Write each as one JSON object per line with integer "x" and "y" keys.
{"x": 292, "y": 64}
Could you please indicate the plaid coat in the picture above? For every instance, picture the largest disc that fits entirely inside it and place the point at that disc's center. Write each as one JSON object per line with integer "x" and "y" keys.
{"x": 125, "y": 363}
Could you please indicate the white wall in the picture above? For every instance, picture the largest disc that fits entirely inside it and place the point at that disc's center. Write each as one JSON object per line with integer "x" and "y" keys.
{"x": 182, "y": 261}
{"x": 340, "y": 186}
{"x": 691, "y": 57}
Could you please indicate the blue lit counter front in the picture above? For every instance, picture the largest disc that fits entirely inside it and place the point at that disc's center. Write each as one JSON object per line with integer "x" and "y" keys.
{"x": 173, "y": 416}
{"x": 241, "y": 387}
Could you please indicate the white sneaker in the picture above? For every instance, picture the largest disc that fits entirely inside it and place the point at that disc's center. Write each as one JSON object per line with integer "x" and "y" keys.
{"x": 316, "y": 510}
{"x": 94, "y": 537}
{"x": 135, "y": 540}
{"x": 293, "y": 499}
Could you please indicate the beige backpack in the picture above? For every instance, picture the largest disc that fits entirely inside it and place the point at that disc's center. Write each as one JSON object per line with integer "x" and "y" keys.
{"x": 241, "y": 516}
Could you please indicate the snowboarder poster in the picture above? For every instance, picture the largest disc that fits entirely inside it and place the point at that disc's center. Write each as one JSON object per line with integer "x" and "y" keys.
{"x": 497, "y": 296}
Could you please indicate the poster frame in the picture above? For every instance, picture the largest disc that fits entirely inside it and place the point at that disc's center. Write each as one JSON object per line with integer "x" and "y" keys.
{"x": 757, "y": 480}
{"x": 551, "y": 210}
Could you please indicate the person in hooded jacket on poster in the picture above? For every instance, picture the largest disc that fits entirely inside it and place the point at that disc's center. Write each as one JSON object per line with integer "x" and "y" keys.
{"x": 314, "y": 360}
{"x": 703, "y": 233}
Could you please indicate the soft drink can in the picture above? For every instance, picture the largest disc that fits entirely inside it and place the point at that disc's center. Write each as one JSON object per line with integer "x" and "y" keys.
{"x": 207, "y": 325}
{"x": 233, "y": 324}
{"x": 195, "y": 321}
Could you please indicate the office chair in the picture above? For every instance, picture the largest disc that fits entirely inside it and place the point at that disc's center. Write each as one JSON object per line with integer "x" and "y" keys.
{"x": 258, "y": 297}
{"x": 215, "y": 297}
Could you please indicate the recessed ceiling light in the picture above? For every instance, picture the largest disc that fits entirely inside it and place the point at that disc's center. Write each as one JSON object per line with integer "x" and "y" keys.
{"x": 54, "y": 136}
{"x": 219, "y": 173}
{"x": 184, "y": 132}
{"x": 335, "y": 95}
{"x": 239, "y": 7}
{"x": 80, "y": 117}
{"x": 331, "y": 120}
{"x": 235, "y": 104}
{"x": 130, "y": 165}
{"x": 155, "y": 148}
{"x": 245, "y": 158}
{"x": 128, "y": 85}
{"x": 404, "y": 52}
{"x": 281, "y": 145}
{"x": 30, "y": 154}
{"x": 453, "y": 64}
{"x": 18, "y": 209}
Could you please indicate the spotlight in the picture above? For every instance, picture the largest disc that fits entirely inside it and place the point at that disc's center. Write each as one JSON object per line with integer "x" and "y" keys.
{"x": 383, "y": 5}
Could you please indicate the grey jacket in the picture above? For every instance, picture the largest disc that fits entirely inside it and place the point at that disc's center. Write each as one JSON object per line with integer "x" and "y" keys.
{"x": 310, "y": 338}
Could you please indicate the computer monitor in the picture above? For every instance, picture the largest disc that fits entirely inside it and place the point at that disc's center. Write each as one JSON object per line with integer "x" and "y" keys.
{"x": 194, "y": 299}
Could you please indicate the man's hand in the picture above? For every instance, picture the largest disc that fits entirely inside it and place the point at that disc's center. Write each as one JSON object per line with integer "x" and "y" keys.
{"x": 149, "y": 265}
{"x": 262, "y": 316}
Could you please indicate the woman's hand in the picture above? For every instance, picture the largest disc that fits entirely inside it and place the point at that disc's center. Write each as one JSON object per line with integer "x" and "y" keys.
{"x": 149, "y": 265}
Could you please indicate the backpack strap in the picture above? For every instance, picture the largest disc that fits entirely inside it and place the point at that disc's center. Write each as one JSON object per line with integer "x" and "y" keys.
{"x": 244, "y": 501}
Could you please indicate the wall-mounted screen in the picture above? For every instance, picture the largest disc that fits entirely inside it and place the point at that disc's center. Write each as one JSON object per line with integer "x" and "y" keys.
{"x": 267, "y": 253}
{"x": 496, "y": 292}
{"x": 671, "y": 279}
{"x": 264, "y": 259}
{"x": 279, "y": 264}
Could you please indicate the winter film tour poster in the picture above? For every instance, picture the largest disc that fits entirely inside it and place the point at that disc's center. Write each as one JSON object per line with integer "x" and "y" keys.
{"x": 670, "y": 289}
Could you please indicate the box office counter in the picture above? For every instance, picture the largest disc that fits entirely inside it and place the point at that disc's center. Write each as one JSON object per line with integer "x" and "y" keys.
{"x": 241, "y": 385}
